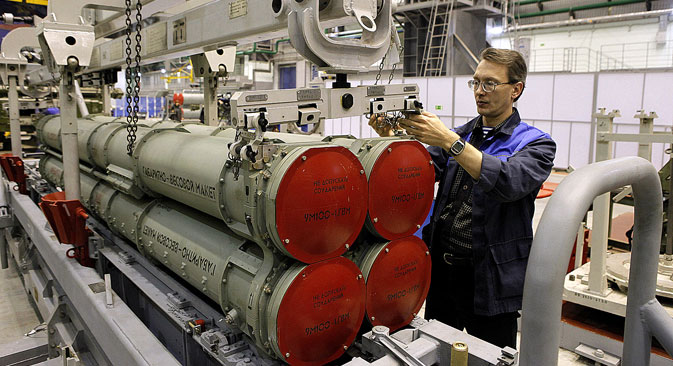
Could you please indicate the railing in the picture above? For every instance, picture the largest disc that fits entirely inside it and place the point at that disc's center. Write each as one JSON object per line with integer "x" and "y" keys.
{"x": 624, "y": 56}
{"x": 637, "y": 55}
{"x": 572, "y": 59}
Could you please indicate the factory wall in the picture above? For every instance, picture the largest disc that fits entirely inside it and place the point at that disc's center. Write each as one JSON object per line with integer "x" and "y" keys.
{"x": 635, "y": 44}
{"x": 592, "y": 36}
{"x": 558, "y": 103}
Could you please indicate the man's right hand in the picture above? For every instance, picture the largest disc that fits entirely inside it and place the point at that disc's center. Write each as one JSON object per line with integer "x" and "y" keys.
{"x": 382, "y": 128}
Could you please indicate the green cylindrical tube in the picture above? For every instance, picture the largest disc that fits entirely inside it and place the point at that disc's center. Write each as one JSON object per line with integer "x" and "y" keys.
{"x": 397, "y": 275}
{"x": 259, "y": 292}
{"x": 399, "y": 171}
{"x": 306, "y": 200}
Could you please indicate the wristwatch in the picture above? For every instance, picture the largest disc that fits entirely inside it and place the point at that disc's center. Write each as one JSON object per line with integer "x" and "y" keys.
{"x": 457, "y": 147}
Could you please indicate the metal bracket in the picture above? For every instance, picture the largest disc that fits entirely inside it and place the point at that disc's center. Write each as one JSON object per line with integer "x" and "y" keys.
{"x": 364, "y": 11}
{"x": 597, "y": 355}
{"x": 509, "y": 357}
{"x": 95, "y": 243}
{"x": 219, "y": 62}
{"x": 63, "y": 43}
{"x": 308, "y": 37}
{"x": 646, "y": 118}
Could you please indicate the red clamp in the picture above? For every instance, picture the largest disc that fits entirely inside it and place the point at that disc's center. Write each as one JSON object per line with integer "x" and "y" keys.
{"x": 68, "y": 219}
{"x": 13, "y": 167}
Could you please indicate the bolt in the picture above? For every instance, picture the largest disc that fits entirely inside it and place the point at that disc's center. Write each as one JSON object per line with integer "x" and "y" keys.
{"x": 418, "y": 226}
{"x": 571, "y": 277}
{"x": 362, "y": 171}
{"x": 359, "y": 276}
{"x": 376, "y": 219}
{"x": 51, "y": 331}
{"x": 221, "y": 180}
{"x": 373, "y": 318}
{"x": 53, "y": 345}
{"x": 224, "y": 280}
{"x": 347, "y": 246}
{"x": 430, "y": 162}
{"x": 303, "y": 158}
{"x": 267, "y": 289}
{"x": 427, "y": 252}
{"x": 390, "y": 150}
{"x": 345, "y": 347}
{"x": 599, "y": 353}
{"x": 387, "y": 250}
{"x": 72, "y": 62}
{"x": 287, "y": 241}
{"x": 287, "y": 355}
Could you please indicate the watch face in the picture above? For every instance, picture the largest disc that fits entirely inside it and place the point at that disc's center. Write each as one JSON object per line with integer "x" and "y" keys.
{"x": 457, "y": 147}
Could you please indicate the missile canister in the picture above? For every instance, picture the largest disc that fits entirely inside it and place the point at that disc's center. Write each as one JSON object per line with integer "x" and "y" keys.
{"x": 401, "y": 181}
{"x": 398, "y": 279}
{"x": 303, "y": 314}
{"x": 306, "y": 199}
{"x": 400, "y": 175}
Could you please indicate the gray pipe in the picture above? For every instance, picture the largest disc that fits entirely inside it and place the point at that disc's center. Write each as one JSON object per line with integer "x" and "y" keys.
{"x": 14, "y": 122}
{"x": 593, "y": 20}
{"x": 83, "y": 110}
{"x": 543, "y": 288}
{"x": 659, "y": 323}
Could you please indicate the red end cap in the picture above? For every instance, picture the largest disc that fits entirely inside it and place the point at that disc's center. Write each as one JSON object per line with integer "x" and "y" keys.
{"x": 398, "y": 283}
{"x": 321, "y": 204}
{"x": 402, "y": 184}
{"x": 321, "y": 312}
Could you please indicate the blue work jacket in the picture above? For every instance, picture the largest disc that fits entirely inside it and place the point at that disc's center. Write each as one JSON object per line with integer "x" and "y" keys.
{"x": 516, "y": 161}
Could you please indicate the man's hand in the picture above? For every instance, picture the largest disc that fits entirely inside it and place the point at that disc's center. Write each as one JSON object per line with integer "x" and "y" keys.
{"x": 429, "y": 129}
{"x": 382, "y": 128}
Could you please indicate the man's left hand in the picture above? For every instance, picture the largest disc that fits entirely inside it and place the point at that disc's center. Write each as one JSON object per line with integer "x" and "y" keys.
{"x": 429, "y": 129}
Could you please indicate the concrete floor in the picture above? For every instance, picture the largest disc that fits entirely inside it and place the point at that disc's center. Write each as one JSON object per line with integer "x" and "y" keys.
{"x": 18, "y": 316}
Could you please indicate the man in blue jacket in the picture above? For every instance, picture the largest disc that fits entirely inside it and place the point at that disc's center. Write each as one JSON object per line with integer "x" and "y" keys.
{"x": 490, "y": 171}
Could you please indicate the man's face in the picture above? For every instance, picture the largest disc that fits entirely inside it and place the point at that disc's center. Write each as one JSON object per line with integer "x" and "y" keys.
{"x": 499, "y": 101}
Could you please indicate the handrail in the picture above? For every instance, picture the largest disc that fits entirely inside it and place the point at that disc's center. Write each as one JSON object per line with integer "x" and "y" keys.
{"x": 543, "y": 287}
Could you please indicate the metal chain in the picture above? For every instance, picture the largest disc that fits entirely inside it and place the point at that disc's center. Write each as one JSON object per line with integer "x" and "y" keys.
{"x": 392, "y": 72}
{"x": 378, "y": 76}
{"x": 132, "y": 118}
{"x": 129, "y": 76}
{"x": 389, "y": 119}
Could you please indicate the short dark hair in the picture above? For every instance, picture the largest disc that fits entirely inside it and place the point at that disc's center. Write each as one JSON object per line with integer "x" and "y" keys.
{"x": 516, "y": 65}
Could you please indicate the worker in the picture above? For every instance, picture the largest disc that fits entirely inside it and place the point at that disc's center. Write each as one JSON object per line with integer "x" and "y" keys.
{"x": 480, "y": 232}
